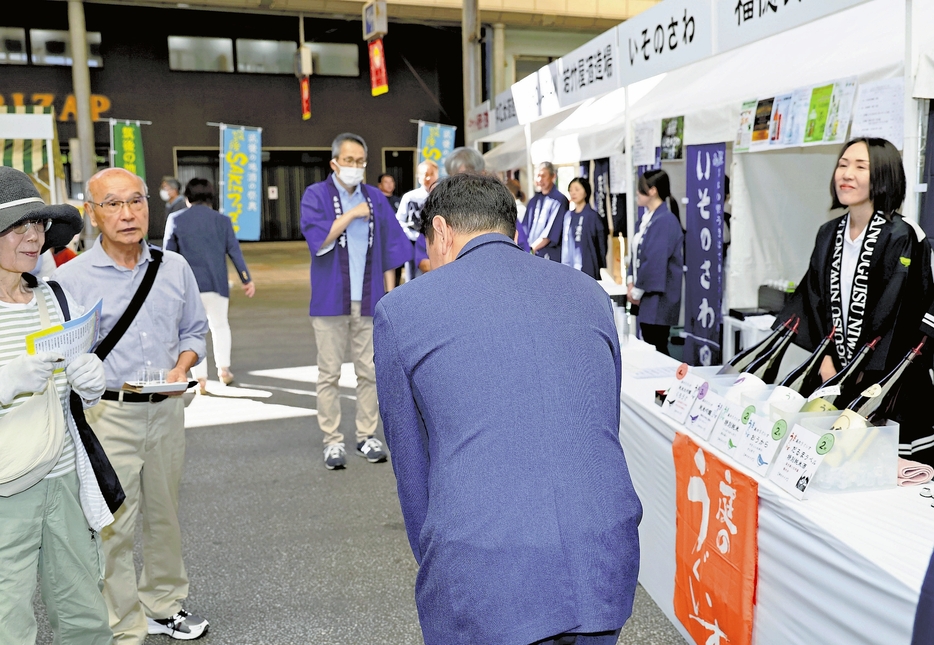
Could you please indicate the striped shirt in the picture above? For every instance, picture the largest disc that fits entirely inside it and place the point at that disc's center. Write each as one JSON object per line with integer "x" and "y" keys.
{"x": 16, "y": 322}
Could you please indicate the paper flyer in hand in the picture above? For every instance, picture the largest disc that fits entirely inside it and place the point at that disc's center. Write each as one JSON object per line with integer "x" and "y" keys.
{"x": 71, "y": 339}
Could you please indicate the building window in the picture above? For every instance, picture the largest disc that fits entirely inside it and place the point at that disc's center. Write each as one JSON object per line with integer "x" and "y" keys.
{"x": 194, "y": 54}
{"x": 13, "y": 46}
{"x": 528, "y": 65}
{"x": 335, "y": 59}
{"x": 265, "y": 56}
{"x": 53, "y": 47}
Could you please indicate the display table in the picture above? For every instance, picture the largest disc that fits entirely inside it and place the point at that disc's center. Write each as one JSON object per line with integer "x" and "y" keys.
{"x": 833, "y": 569}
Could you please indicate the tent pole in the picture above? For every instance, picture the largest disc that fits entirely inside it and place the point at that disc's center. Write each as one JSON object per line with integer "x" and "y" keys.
{"x": 630, "y": 187}
{"x": 81, "y": 79}
{"x": 911, "y": 153}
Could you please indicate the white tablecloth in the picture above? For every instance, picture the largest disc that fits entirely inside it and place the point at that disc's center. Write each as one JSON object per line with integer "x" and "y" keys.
{"x": 833, "y": 569}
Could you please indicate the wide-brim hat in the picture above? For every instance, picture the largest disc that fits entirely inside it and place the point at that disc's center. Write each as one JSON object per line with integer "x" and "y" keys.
{"x": 20, "y": 200}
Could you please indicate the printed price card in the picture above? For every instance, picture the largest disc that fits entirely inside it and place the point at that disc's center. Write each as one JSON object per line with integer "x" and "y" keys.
{"x": 705, "y": 413}
{"x": 761, "y": 442}
{"x": 729, "y": 432}
{"x": 682, "y": 394}
{"x": 799, "y": 459}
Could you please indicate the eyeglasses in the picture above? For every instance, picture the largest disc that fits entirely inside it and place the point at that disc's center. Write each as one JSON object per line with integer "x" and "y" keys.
{"x": 115, "y": 206}
{"x": 22, "y": 227}
{"x": 347, "y": 162}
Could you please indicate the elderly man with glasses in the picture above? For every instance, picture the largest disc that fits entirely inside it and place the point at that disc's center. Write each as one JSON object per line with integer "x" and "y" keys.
{"x": 356, "y": 245}
{"x": 142, "y": 434}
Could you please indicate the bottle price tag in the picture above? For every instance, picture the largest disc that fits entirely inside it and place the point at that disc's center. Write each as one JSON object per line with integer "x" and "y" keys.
{"x": 761, "y": 442}
{"x": 730, "y": 429}
{"x": 682, "y": 394}
{"x": 799, "y": 459}
{"x": 705, "y": 413}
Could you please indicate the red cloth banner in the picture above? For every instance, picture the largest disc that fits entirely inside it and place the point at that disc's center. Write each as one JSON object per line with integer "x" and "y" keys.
{"x": 379, "y": 77}
{"x": 716, "y": 547}
{"x": 306, "y": 98}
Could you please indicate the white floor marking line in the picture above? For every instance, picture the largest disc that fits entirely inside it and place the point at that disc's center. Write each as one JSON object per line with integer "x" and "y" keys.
{"x": 290, "y": 390}
{"x": 214, "y": 411}
{"x": 308, "y": 374}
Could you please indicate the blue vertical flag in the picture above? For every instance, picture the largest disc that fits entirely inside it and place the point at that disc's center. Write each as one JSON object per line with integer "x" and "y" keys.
{"x": 435, "y": 142}
{"x": 242, "y": 179}
{"x": 703, "y": 282}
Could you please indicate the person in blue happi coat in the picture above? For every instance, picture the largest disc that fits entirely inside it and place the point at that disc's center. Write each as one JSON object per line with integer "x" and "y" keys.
{"x": 542, "y": 221}
{"x": 583, "y": 239}
{"x": 522, "y": 517}
{"x": 656, "y": 269}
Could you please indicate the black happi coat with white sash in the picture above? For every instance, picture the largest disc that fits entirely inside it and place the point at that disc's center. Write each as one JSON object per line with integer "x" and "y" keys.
{"x": 880, "y": 284}
{"x": 893, "y": 279}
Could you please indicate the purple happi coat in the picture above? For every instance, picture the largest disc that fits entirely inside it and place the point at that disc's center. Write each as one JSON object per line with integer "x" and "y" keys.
{"x": 388, "y": 248}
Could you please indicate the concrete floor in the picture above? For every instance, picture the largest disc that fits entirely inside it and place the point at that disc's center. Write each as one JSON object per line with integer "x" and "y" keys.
{"x": 279, "y": 550}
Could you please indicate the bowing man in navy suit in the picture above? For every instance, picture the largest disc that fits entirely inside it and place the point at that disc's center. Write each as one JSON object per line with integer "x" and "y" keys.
{"x": 520, "y": 512}
{"x": 655, "y": 273}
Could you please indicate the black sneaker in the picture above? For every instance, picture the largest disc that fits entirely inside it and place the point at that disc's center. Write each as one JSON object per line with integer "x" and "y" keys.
{"x": 335, "y": 458}
{"x": 372, "y": 450}
{"x": 182, "y": 626}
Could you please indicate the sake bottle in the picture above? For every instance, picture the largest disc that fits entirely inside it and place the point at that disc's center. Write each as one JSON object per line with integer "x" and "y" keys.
{"x": 870, "y": 406}
{"x": 837, "y": 391}
{"x": 804, "y": 379}
{"x": 766, "y": 366}
{"x": 741, "y": 361}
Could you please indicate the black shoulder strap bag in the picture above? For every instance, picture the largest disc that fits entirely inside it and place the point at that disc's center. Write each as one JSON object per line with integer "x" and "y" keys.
{"x": 106, "y": 476}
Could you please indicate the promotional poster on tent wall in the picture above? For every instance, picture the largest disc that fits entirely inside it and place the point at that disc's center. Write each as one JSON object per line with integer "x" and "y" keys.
{"x": 703, "y": 283}
{"x": 241, "y": 179}
{"x": 672, "y": 138}
{"x": 435, "y": 142}
{"x": 880, "y": 111}
{"x": 809, "y": 116}
{"x": 126, "y": 147}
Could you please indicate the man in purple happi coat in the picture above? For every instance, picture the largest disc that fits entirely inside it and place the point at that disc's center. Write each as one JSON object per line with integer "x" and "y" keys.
{"x": 356, "y": 245}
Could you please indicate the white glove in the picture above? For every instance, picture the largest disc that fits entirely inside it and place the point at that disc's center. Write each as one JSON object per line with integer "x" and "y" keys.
{"x": 27, "y": 373}
{"x": 87, "y": 378}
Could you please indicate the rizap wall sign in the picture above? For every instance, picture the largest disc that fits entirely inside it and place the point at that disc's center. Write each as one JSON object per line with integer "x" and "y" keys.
{"x": 589, "y": 71}
{"x": 671, "y": 34}
{"x": 744, "y": 21}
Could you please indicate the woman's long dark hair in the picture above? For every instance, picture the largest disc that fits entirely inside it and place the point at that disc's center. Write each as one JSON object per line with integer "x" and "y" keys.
{"x": 658, "y": 179}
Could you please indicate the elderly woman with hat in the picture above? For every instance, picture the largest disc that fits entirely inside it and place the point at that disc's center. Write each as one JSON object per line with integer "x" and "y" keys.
{"x": 50, "y": 513}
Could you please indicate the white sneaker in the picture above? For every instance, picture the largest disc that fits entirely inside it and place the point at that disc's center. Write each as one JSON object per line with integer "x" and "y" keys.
{"x": 182, "y": 626}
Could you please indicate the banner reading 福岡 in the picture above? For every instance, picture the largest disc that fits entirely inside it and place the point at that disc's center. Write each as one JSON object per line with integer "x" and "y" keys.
{"x": 127, "y": 147}
{"x": 241, "y": 179}
{"x": 703, "y": 282}
{"x": 435, "y": 142}
{"x": 716, "y": 546}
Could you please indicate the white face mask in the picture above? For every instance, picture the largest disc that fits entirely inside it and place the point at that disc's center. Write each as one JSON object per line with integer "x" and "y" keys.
{"x": 164, "y": 195}
{"x": 349, "y": 176}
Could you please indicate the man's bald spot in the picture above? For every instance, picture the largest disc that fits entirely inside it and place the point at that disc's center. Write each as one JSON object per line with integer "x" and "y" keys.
{"x": 107, "y": 172}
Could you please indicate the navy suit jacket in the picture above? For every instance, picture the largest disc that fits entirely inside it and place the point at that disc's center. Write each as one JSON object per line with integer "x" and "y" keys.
{"x": 498, "y": 377}
{"x": 661, "y": 269}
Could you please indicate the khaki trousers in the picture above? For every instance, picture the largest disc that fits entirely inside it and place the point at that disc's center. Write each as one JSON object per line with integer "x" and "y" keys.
{"x": 332, "y": 333}
{"x": 146, "y": 445}
{"x": 43, "y": 529}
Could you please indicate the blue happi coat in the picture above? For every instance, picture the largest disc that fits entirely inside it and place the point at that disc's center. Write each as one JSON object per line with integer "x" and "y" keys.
{"x": 387, "y": 248}
{"x": 521, "y": 515}
{"x": 585, "y": 238}
{"x": 661, "y": 269}
{"x": 543, "y": 218}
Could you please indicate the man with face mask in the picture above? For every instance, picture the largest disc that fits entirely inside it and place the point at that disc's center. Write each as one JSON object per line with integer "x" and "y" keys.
{"x": 356, "y": 245}
{"x": 170, "y": 192}
{"x": 409, "y": 212}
